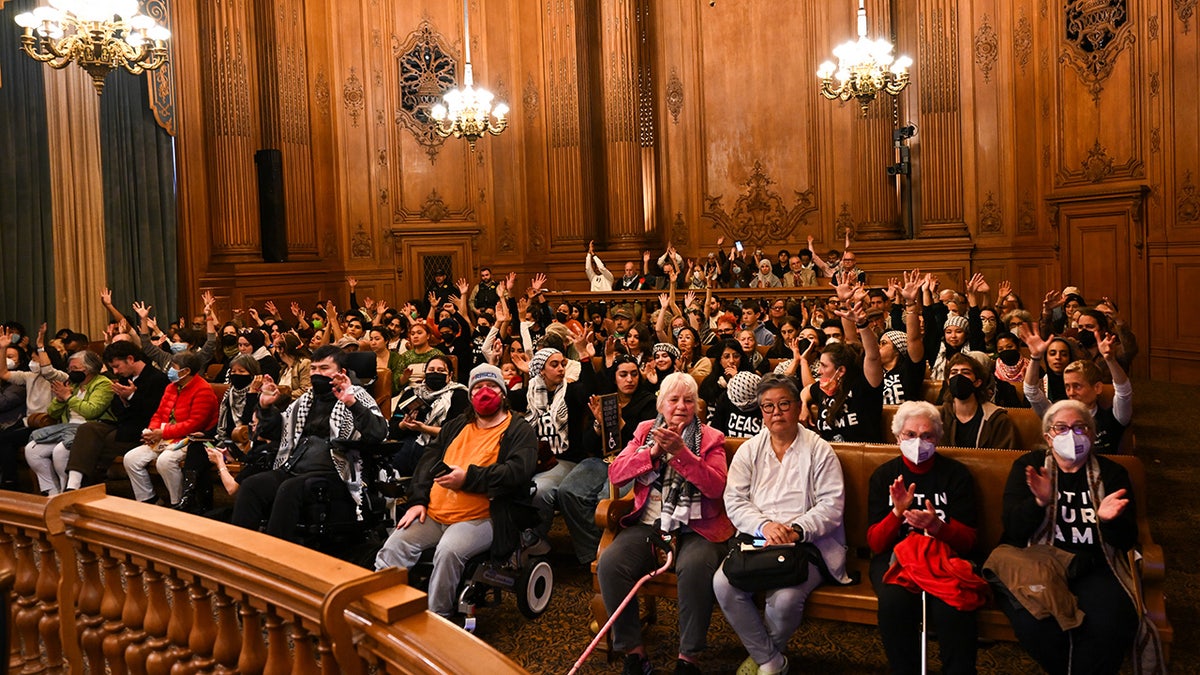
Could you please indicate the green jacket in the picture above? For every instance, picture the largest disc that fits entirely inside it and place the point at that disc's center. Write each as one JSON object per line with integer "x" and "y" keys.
{"x": 93, "y": 406}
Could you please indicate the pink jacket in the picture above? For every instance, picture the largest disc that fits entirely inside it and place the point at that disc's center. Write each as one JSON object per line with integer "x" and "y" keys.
{"x": 706, "y": 472}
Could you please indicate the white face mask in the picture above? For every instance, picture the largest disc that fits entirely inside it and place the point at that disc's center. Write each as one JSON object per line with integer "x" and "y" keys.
{"x": 1071, "y": 447}
{"x": 34, "y": 367}
{"x": 917, "y": 450}
{"x": 833, "y": 340}
{"x": 12, "y": 364}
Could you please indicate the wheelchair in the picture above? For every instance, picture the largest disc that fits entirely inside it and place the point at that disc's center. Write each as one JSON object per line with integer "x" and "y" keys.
{"x": 525, "y": 574}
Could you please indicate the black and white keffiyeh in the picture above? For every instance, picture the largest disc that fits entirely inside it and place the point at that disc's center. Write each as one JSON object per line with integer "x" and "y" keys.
{"x": 678, "y": 494}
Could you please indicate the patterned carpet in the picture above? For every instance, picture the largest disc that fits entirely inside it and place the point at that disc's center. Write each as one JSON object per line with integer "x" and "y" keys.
{"x": 1166, "y": 442}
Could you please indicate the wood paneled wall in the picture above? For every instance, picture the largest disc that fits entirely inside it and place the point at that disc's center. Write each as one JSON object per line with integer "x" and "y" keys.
{"x": 1057, "y": 143}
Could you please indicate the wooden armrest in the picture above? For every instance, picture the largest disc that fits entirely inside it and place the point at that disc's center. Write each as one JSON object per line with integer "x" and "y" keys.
{"x": 609, "y": 512}
{"x": 1153, "y": 569}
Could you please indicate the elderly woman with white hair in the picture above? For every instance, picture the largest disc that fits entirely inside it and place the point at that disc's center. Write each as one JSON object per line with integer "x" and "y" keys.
{"x": 1079, "y": 505}
{"x": 916, "y": 494}
{"x": 677, "y": 465}
{"x": 85, "y": 396}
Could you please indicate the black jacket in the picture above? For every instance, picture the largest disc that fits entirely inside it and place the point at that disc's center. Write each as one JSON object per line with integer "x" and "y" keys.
{"x": 132, "y": 417}
{"x": 506, "y": 483}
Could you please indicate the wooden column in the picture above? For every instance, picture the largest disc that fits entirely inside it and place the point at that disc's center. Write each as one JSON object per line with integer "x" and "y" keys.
{"x": 573, "y": 204}
{"x": 77, "y": 195}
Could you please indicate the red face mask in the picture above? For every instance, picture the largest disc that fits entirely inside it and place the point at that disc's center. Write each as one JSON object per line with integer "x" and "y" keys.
{"x": 486, "y": 401}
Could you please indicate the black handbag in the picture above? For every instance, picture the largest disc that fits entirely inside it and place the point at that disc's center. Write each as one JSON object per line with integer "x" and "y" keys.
{"x": 765, "y": 568}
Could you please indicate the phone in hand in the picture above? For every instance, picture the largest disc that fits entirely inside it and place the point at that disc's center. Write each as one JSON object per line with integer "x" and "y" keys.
{"x": 738, "y": 246}
{"x": 441, "y": 469}
{"x": 803, "y": 345}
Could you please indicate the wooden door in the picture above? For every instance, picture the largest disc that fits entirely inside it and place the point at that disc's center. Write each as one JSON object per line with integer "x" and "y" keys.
{"x": 1103, "y": 250}
{"x": 420, "y": 254}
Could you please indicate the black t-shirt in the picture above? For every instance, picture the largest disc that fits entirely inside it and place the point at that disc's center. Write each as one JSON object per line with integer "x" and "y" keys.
{"x": 858, "y": 420}
{"x": 1108, "y": 432}
{"x": 948, "y": 485}
{"x": 966, "y": 433}
{"x": 734, "y": 422}
{"x": 904, "y": 382}
{"x": 1075, "y": 526}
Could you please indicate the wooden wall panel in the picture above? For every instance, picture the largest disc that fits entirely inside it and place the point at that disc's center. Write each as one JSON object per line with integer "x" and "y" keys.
{"x": 1017, "y": 131}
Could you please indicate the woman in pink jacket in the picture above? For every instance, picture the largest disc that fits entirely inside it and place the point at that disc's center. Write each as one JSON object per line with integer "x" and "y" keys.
{"x": 677, "y": 466}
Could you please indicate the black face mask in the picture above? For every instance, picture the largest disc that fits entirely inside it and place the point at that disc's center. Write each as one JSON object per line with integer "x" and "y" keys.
{"x": 1009, "y": 357}
{"x": 961, "y": 387}
{"x": 435, "y": 381}
{"x": 240, "y": 381}
{"x": 322, "y": 385}
{"x": 561, "y": 317}
{"x": 1086, "y": 339}
{"x": 447, "y": 337}
{"x": 228, "y": 340}
{"x": 76, "y": 376}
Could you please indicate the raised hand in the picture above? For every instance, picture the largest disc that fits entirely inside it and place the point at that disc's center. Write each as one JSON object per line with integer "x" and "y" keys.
{"x": 538, "y": 282}
{"x": 342, "y": 389}
{"x": 510, "y": 280}
{"x": 646, "y": 256}
{"x": 522, "y": 306}
{"x": 270, "y": 307}
{"x": 1112, "y": 505}
{"x": 689, "y": 300}
{"x": 142, "y": 309}
{"x": 649, "y": 372}
{"x": 911, "y": 290}
{"x": 254, "y": 314}
{"x": 1041, "y": 484}
{"x": 892, "y": 289}
{"x": 433, "y": 299}
{"x": 463, "y": 286}
{"x": 664, "y": 300}
{"x": 352, "y": 281}
{"x": 592, "y": 247}
{"x": 521, "y": 361}
{"x": 973, "y": 283}
{"x": 720, "y": 241}
{"x": 207, "y": 298}
{"x": 1004, "y": 289}
{"x": 502, "y": 312}
{"x": 1037, "y": 346}
{"x": 1107, "y": 345}
{"x": 927, "y": 519}
{"x": 296, "y": 311}
{"x": 853, "y": 313}
{"x": 595, "y": 407}
{"x": 1053, "y": 299}
{"x": 902, "y": 496}
{"x": 845, "y": 285}
{"x": 381, "y": 307}
{"x": 106, "y": 297}
{"x": 270, "y": 391}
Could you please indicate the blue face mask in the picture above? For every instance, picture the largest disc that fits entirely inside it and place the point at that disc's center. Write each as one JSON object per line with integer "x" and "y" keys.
{"x": 14, "y": 338}
{"x": 173, "y": 374}
{"x": 177, "y": 347}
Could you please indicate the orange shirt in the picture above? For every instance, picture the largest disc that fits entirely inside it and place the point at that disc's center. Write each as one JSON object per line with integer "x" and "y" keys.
{"x": 473, "y": 445}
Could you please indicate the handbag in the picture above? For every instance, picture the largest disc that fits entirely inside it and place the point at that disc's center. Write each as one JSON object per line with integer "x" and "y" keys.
{"x": 764, "y": 568}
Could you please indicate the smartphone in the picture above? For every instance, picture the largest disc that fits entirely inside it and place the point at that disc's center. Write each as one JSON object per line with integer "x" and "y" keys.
{"x": 738, "y": 246}
{"x": 803, "y": 344}
{"x": 441, "y": 469}
{"x": 759, "y": 542}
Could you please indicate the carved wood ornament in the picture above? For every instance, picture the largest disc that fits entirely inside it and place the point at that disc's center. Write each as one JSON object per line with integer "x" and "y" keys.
{"x": 1187, "y": 207}
{"x": 1096, "y": 33}
{"x": 426, "y": 70}
{"x": 987, "y": 48}
{"x": 759, "y": 215}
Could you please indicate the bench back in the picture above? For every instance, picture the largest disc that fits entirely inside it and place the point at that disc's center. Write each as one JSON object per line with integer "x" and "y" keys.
{"x": 1027, "y": 426}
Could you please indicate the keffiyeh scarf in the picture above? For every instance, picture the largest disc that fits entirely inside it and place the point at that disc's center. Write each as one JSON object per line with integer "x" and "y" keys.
{"x": 678, "y": 495}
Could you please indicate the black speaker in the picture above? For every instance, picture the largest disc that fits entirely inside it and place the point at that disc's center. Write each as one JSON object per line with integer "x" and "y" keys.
{"x": 272, "y": 214}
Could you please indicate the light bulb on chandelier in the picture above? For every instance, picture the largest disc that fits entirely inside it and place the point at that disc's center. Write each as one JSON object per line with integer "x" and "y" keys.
{"x": 864, "y": 68}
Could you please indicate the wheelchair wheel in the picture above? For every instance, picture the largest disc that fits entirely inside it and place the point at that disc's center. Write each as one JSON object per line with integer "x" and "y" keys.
{"x": 533, "y": 589}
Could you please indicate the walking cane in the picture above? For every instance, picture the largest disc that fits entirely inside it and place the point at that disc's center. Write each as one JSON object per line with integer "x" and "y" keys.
{"x": 664, "y": 543}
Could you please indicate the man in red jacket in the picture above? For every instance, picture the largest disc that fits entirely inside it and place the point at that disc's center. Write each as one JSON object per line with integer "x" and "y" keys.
{"x": 188, "y": 406}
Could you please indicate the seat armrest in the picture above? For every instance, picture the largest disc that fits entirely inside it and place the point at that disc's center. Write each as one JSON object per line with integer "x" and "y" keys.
{"x": 609, "y": 512}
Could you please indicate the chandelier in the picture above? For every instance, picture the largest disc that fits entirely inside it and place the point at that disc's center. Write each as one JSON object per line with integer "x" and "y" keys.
{"x": 468, "y": 112}
{"x": 98, "y": 35}
{"x": 863, "y": 69}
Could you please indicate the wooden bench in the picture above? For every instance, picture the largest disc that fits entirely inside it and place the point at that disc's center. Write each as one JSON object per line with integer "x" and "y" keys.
{"x": 1027, "y": 424}
{"x": 857, "y": 603}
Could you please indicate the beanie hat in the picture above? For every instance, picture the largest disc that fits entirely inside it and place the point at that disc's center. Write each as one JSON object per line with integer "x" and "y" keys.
{"x": 742, "y": 389}
{"x": 486, "y": 372}
{"x": 666, "y": 347}
{"x": 899, "y": 340}
{"x": 539, "y": 360}
{"x": 958, "y": 321}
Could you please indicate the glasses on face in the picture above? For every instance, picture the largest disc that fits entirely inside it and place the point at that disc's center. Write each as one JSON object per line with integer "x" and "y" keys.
{"x": 927, "y": 436}
{"x": 1058, "y": 428}
{"x": 778, "y": 307}
{"x": 783, "y": 406}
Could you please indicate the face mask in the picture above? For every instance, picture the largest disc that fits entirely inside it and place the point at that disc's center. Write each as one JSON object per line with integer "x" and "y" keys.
{"x": 76, "y": 376}
{"x": 916, "y": 450}
{"x": 989, "y": 326}
{"x": 12, "y": 364}
{"x": 240, "y": 381}
{"x": 322, "y": 384}
{"x": 961, "y": 387}
{"x": 177, "y": 347}
{"x": 1086, "y": 338}
{"x": 35, "y": 367}
{"x": 832, "y": 340}
{"x": 828, "y": 384}
{"x": 447, "y": 337}
{"x": 15, "y": 338}
{"x": 173, "y": 374}
{"x": 1009, "y": 357}
{"x": 735, "y": 270}
{"x": 486, "y": 401}
{"x": 561, "y": 317}
{"x": 228, "y": 340}
{"x": 676, "y": 331}
{"x": 1071, "y": 447}
{"x": 318, "y": 324}
{"x": 435, "y": 381}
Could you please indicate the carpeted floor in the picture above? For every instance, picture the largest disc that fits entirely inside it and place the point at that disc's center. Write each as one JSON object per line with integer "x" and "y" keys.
{"x": 1166, "y": 436}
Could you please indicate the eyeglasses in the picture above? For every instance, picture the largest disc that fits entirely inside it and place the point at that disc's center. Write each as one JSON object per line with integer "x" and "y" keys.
{"x": 782, "y": 406}
{"x": 928, "y": 437}
{"x": 1059, "y": 428}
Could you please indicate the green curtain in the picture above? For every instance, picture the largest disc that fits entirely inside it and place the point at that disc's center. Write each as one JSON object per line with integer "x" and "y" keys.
{"x": 26, "y": 216}
{"x": 138, "y": 160}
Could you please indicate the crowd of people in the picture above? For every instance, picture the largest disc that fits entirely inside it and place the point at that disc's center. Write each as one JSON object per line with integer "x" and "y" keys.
{"x": 504, "y": 400}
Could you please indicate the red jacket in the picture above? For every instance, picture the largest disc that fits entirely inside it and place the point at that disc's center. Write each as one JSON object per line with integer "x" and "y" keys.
{"x": 194, "y": 407}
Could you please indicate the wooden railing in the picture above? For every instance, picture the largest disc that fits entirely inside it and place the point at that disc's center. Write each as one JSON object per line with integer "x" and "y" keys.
{"x": 106, "y": 584}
